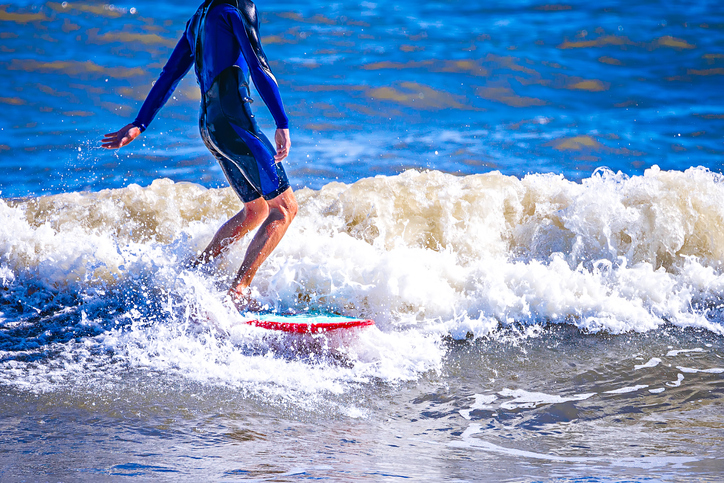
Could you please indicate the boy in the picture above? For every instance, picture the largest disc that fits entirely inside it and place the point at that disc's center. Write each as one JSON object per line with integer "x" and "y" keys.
{"x": 222, "y": 42}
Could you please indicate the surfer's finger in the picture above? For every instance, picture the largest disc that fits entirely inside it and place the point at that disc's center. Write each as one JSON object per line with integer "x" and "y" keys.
{"x": 280, "y": 155}
{"x": 113, "y": 142}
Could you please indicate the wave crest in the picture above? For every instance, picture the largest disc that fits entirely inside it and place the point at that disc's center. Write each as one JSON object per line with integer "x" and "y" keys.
{"x": 452, "y": 254}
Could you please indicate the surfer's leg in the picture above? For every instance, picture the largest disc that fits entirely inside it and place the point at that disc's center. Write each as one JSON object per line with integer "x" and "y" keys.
{"x": 282, "y": 210}
{"x": 256, "y": 209}
{"x": 253, "y": 214}
{"x": 247, "y": 158}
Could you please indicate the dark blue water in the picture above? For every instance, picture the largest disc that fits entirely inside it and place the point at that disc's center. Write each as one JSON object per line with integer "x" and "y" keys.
{"x": 372, "y": 88}
{"x": 554, "y": 321}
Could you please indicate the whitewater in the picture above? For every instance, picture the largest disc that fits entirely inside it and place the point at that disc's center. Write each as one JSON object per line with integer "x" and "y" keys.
{"x": 427, "y": 255}
{"x": 539, "y": 299}
{"x": 526, "y": 198}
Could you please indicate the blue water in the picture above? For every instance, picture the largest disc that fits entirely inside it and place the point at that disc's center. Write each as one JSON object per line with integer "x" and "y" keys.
{"x": 543, "y": 254}
{"x": 520, "y": 87}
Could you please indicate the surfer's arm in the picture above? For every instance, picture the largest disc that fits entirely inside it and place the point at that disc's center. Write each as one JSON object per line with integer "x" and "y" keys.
{"x": 177, "y": 66}
{"x": 245, "y": 24}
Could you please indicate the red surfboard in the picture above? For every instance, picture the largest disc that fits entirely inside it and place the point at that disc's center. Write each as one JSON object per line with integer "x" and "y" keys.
{"x": 307, "y": 323}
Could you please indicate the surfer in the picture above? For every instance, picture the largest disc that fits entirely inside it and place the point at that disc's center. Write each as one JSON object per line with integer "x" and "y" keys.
{"x": 222, "y": 41}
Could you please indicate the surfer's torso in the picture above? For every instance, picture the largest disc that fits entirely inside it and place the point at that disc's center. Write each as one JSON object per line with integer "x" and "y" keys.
{"x": 222, "y": 41}
{"x": 218, "y": 36}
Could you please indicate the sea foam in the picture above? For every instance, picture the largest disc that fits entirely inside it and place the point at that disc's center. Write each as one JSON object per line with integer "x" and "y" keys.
{"x": 427, "y": 255}
{"x": 449, "y": 253}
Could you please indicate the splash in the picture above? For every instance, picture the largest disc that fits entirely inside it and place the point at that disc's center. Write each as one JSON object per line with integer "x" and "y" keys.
{"x": 100, "y": 276}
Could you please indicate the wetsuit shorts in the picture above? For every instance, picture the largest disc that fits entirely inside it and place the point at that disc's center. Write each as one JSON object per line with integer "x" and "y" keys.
{"x": 231, "y": 133}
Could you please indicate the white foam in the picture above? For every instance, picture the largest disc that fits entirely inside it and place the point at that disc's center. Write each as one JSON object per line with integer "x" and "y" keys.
{"x": 653, "y": 362}
{"x": 6, "y": 276}
{"x": 677, "y": 382}
{"x": 625, "y": 390}
{"x": 691, "y": 370}
{"x": 424, "y": 254}
{"x": 613, "y": 253}
{"x": 210, "y": 343}
{"x": 527, "y": 399}
{"x": 468, "y": 440}
{"x": 482, "y": 401}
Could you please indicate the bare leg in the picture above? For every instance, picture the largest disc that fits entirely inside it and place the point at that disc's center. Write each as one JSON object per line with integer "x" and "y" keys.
{"x": 282, "y": 211}
{"x": 253, "y": 214}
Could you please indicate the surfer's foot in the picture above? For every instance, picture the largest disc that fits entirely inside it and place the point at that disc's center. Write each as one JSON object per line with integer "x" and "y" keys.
{"x": 197, "y": 261}
{"x": 243, "y": 301}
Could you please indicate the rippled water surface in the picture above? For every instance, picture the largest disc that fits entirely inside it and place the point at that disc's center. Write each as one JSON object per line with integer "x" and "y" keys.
{"x": 543, "y": 253}
{"x": 373, "y": 88}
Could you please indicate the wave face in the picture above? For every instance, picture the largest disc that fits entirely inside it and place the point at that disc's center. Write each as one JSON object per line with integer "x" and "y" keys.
{"x": 94, "y": 282}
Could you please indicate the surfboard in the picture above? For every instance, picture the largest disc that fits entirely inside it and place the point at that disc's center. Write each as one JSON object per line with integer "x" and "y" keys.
{"x": 307, "y": 323}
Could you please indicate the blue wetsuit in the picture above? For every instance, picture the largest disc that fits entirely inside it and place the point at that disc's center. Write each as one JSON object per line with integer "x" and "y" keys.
{"x": 222, "y": 41}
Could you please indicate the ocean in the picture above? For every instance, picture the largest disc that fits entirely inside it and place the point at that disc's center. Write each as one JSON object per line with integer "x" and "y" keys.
{"x": 527, "y": 198}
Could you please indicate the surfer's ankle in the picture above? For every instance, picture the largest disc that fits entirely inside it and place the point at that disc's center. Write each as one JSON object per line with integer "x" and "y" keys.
{"x": 201, "y": 259}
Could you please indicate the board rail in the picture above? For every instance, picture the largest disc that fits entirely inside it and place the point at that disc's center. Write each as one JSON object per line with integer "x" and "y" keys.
{"x": 308, "y": 327}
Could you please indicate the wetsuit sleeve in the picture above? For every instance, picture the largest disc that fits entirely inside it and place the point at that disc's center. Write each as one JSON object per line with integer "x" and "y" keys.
{"x": 245, "y": 25}
{"x": 177, "y": 66}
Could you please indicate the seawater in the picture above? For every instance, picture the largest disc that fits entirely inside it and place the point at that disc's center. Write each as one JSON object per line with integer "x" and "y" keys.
{"x": 525, "y": 197}
{"x": 463, "y": 87}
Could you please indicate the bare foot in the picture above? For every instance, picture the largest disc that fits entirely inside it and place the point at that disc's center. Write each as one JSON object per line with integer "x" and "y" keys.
{"x": 243, "y": 301}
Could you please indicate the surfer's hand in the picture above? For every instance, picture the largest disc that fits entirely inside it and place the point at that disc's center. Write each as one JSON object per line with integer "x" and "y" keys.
{"x": 118, "y": 139}
{"x": 283, "y": 142}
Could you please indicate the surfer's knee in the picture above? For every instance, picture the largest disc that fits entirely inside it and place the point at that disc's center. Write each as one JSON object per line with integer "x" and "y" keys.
{"x": 285, "y": 206}
{"x": 291, "y": 209}
{"x": 256, "y": 211}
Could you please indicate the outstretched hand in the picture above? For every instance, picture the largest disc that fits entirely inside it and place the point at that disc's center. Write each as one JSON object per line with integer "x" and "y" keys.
{"x": 120, "y": 138}
{"x": 283, "y": 142}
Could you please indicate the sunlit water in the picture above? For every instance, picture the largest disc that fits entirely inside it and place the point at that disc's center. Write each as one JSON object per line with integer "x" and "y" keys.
{"x": 537, "y": 318}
